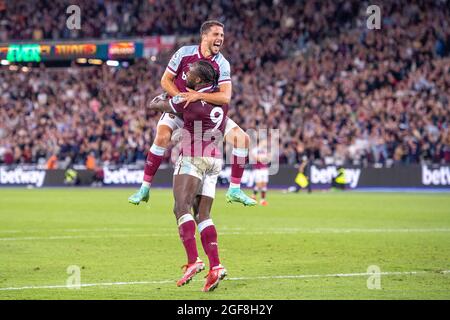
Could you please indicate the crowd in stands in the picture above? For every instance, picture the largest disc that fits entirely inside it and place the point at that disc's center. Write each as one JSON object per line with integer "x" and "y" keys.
{"x": 337, "y": 91}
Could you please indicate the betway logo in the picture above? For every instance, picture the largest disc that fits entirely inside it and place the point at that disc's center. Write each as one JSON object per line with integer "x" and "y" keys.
{"x": 19, "y": 176}
{"x": 123, "y": 176}
{"x": 326, "y": 175}
{"x": 436, "y": 177}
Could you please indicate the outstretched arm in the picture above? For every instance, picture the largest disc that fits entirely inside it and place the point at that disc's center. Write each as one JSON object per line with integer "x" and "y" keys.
{"x": 160, "y": 103}
{"x": 223, "y": 96}
{"x": 219, "y": 98}
{"x": 167, "y": 83}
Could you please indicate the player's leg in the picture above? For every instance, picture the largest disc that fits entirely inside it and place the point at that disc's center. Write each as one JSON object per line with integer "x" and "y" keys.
{"x": 256, "y": 189}
{"x": 207, "y": 229}
{"x": 255, "y": 192}
{"x": 184, "y": 191}
{"x": 195, "y": 208}
{"x": 240, "y": 141}
{"x": 263, "y": 186}
{"x": 188, "y": 174}
{"x": 263, "y": 200}
{"x": 208, "y": 234}
{"x": 166, "y": 124}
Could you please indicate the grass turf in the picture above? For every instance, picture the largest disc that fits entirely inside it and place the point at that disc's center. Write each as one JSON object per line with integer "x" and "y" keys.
{"x": 267, "y": 250}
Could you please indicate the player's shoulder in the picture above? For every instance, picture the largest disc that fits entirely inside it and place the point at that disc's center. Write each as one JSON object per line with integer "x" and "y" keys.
{"x": 221, "y": 60}
{"x": 188, "y": 50}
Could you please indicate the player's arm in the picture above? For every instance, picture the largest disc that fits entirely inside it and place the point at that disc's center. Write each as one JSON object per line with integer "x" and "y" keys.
{"x": 173, "y": 68}
{"x": 167, "y": 83}
{"x": 160, "y": 103}
{"x": 219, "y": 98}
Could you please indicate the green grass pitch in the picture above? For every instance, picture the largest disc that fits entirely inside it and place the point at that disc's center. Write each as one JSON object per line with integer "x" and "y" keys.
{"x": 301, "y": 246}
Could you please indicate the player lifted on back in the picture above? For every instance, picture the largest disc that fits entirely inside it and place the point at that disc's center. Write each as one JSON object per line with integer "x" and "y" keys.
{"x": 174, "y": 83}
{"x": 196, "y": 171}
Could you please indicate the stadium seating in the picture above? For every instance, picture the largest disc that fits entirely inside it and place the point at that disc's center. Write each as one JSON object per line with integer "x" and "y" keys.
{"x": 338, "y": 92}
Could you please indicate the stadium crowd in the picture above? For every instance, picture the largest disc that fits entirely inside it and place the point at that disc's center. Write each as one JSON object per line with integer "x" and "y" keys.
{"x": 337, "y": 91}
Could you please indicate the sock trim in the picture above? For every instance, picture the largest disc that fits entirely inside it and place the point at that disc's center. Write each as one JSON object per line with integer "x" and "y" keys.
{"x": 234, "y": 184}
{"x": 204, "y": 224}
{"x": 240, "y": 152}
{"x": 185, "y": 218}
{"x": 157, "y": 150}
{"x": 219, "y": 266}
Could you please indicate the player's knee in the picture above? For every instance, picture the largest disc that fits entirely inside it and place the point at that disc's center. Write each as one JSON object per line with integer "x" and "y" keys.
{"x": 202, "y": 216}
{"x": 239, "y": 138}
{"x": 180, "y": 209}
{"x": 243, "y": 139}
{"x": 182, "y": 206}
{"x": 163, "y": 135}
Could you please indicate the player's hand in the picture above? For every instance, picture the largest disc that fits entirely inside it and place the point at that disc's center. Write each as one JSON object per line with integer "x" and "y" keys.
{"x": 190, "y": 96}
{"x": 159, "y": 98}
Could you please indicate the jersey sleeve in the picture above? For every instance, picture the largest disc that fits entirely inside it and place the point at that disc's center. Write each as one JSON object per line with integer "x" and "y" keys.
{"x": 225, "y": 72}
{"x": 175, "y": 62}
{"x": 177, "y": 104}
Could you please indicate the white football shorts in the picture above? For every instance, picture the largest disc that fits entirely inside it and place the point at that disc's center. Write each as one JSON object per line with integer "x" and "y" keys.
{"x": 172, "y": 121}
{"x": 207, "y": 169}
{"x": 261, "y": 175}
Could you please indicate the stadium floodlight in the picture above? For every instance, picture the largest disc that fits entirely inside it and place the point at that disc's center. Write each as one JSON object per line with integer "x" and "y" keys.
{"x": 112, "y": 63}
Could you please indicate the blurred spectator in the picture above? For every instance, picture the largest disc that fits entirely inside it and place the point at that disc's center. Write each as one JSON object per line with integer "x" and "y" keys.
{"x": 52, "y": 162}
{"x": 90, "y": 162}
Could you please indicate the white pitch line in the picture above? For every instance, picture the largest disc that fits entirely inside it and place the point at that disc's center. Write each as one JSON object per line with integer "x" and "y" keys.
{"x": 305, "y": 276}
{"x": 225, "y": 233}
{"x": 83, "y": 285}
{"x": 83, "y": 230}
{"x": 85, "y": 237}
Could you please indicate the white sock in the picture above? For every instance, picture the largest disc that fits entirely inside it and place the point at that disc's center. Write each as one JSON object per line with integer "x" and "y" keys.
{"x": 235, "y": 185}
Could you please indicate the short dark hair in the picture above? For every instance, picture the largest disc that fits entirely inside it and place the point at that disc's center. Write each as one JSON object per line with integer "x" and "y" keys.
{"x": 208, "y": 24}
{"x": 206, "y": 72}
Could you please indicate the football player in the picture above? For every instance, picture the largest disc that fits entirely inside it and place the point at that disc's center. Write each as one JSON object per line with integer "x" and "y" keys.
{"x": 174, "y": 83}
{"x": 196, "y": 171}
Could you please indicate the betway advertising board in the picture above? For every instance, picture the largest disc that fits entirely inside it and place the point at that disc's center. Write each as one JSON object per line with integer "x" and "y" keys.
{"x": 411, "y": 176}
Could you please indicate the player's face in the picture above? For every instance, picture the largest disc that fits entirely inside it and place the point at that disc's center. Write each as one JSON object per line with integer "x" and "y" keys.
{"x": 214, "y": 39}
{"x": 192, "y": 78}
